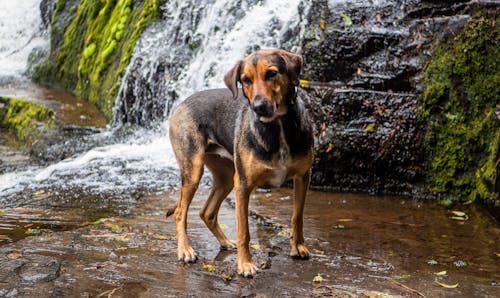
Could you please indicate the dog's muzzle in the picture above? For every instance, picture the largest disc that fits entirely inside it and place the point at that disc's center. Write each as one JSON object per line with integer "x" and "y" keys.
{"x": 263, "y": 108}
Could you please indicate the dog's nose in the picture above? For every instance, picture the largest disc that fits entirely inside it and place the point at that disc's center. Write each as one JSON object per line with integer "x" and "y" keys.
{"x": 262, "y": 107}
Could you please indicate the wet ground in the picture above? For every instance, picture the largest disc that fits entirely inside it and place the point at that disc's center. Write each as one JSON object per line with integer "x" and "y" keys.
{"x": 70, "y": 242}
{"x": 362, "y": 246}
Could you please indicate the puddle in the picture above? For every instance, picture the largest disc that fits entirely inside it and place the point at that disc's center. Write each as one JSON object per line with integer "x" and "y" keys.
{"x": 361, "y": 245}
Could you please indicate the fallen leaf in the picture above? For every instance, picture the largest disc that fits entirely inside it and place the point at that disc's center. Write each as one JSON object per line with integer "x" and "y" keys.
{"x": 379, "y": 18}
{"x": 440, "y": 273}
{"x": 28, "y": 225}
{"x": 419, "y": 46}
{"x": 347, "y": 19}
{"x": 14, "y": 255}
{"x": 284, "y": 232}
{"x": 446, "y": 285}
{"x": 226, "y": 276}
{"x": 161, "y": 237}
{"x": 370, "y": 127}
{"x": 344, "y": 220}
{"x": 322, "y": 24}
{"x": 209, "y": 267}
{"x": 329, "y": 148}
{"x": 256, "y": 246}
{"x": 41, "y": 193}
{"x": 318, "y": 279}
{"x": 359, "y": 71}
{"x": 497, "y": 254}
{"x": 28, "y": 232}
{"x": 223, "y": 226}
{"x": 374, "y": 294}
{"x": 112, "y": 226}
{"x": 123, "y": 238}
{"x": 459, "y": 215}
{"x": 101, "y": 220}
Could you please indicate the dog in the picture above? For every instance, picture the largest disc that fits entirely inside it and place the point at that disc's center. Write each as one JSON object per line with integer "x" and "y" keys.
{"x": 254, "y": 136}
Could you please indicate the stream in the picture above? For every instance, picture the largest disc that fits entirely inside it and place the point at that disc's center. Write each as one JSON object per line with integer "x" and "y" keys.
{"x": 83, "y": 214}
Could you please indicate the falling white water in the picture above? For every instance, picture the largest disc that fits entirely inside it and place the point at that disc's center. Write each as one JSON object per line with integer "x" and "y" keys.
{"x": 226, "y": 30}
{"x": 21, "y": 31}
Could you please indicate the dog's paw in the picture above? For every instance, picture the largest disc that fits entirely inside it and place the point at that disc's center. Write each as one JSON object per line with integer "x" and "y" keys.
{"x": 247, "y": 269}
{"x": 300, "y": 251}
{"x": 187, "y": 255}
{"x": 228, "y": 245}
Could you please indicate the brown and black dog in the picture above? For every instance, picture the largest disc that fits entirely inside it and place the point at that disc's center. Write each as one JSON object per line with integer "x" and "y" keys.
{"x": 260, "y": 137}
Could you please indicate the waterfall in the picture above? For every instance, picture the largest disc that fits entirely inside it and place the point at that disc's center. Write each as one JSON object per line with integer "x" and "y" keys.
{"x": 194, "y": 45}
{"x": 21, "y": 32}
{"x": 191, "y": 48}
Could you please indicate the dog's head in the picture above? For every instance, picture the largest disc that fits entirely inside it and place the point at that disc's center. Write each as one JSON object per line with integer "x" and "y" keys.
{"x": 267, "y": 77}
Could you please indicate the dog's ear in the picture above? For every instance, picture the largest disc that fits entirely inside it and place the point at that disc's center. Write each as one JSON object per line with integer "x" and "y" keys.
{"x": 232, "y": 78}
{"x": 293, "y": 65}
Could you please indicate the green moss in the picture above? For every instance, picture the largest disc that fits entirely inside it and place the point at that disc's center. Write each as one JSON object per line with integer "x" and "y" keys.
{"x": 25, "y": 118}
{"x": 96, "y": 47}
{"x": 462, "y": 91}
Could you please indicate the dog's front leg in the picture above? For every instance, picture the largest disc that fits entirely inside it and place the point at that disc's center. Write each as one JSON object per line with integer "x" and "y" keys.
{"x": 297, "y": 243}
{"x": 246, "y": 267}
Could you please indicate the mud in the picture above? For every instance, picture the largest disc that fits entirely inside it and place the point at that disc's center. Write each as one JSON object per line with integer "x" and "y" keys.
{"x": 362, "y": 245}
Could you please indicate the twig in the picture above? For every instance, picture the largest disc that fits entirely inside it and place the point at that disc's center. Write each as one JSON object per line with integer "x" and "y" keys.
{"x": 407, "y": 288}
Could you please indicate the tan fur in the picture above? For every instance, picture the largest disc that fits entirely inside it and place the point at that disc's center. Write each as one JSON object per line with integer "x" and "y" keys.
{"x": 244, "y": 171}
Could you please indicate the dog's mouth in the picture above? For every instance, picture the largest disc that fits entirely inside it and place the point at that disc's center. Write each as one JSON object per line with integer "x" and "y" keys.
{"x": 277, "y": 111}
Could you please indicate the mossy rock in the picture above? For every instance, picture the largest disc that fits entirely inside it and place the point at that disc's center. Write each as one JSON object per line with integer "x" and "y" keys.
{"x": 461, "y": 107}
{"x": 90, "y": 54}
{"x": 25, "y": 118}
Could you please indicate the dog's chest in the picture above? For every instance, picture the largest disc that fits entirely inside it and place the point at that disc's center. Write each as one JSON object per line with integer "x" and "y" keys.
{"x": 279, "y": 168}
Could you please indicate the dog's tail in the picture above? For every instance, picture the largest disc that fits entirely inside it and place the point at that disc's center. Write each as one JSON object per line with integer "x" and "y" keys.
{"x": 170, "y": 211}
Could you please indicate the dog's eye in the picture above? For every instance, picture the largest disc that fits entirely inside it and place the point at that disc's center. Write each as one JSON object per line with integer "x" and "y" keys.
{"x": 270, "y": 74}
{"x": 246, "y": 81}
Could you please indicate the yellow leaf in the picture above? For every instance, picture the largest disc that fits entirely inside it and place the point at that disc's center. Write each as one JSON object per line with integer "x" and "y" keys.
{"x": 284, "y": 232}
{"x": 374, "y": 294}
{"x": 370, "y": 127}
{"x": 256, "y": 246}
{"x": 322, "y": 24}
{"x": 112, "y": 226}
{"x": 226, "y": 277}
{"x": 122, "y": 238}
{"x": 446, "y": 285}
{"x": 223, "y": 226}
{"x": 329, "y": 148}
{"x": 440, "y": 273}
{"x": 459, "y": 215}
{"x": 318, "y": 279}
{"x": 161, "y": 237}
{"x": 101, "y": 220}
{"x": 41, "y": 193}
{"x": 209, "y": 267}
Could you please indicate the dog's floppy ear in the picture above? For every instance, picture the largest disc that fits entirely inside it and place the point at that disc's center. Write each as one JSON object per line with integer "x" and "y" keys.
{"x": 232, "y": 78}
{"x": 293, "y": 65}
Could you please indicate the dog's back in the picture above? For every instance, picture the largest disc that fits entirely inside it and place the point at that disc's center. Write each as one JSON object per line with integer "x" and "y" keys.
{"x": 206, "y": 119}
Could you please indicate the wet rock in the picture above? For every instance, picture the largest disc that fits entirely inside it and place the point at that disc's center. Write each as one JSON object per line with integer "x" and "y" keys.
{"x": 365, "y": 140}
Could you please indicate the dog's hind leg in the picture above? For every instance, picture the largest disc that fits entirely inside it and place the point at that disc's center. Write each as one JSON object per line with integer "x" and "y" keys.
{"x": 222, "y": 170}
